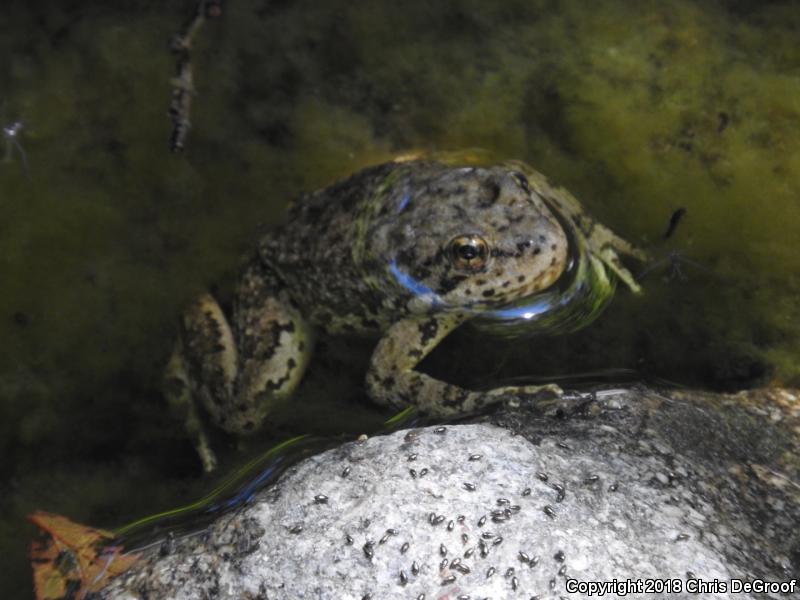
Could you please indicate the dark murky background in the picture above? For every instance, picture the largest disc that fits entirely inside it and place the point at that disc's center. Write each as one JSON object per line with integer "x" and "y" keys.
{"x": 638, "y": 108}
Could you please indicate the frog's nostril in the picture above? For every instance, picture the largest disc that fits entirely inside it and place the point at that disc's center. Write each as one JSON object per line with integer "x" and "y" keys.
{"x": 521, "y": 181}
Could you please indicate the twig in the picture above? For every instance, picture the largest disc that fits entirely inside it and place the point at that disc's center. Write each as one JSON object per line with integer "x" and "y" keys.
{"x": 183, "y": 82}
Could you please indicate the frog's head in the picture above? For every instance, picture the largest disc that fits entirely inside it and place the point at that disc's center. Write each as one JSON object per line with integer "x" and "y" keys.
{"x": 468, "y": 238}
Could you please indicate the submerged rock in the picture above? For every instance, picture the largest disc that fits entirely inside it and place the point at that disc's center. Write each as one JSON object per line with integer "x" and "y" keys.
{"x": 623, "y": 485}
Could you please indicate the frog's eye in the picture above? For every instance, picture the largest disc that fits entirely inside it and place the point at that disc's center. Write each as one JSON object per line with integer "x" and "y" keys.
{"x": 522, "y": 181}
{"x": 468, "y": 252}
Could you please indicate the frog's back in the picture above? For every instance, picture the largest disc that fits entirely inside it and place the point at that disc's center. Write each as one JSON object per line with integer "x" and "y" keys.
{"x": 313, "y": 256}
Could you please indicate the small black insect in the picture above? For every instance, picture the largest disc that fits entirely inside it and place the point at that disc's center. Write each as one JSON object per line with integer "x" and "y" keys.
{"x": 674, "y": 220}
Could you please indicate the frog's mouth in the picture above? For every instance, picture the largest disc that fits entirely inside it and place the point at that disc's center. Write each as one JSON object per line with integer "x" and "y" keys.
{"x": 576, "y": 299}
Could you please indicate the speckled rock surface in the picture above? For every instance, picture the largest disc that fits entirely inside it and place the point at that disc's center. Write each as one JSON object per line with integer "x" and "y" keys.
{"x": 626, "y": 485}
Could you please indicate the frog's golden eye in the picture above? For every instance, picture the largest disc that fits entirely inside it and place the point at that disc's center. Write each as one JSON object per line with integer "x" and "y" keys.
{"x": 468, "y": 252}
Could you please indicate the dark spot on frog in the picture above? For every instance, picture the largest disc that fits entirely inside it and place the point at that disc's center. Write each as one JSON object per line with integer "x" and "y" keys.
{"x": 537, "y": 251}
{"x": 552, "y": 261}
{"x": 448, "y": 284}
{"x": 506, "y": 284}
{"x": 488, "y": 293}
{"x": 370, "y": 323}
{"x": 553, "y": 247}
{"x": 428, "y": 331}
{"x": 500, "y": 253}
{"x": 415, "y": 353}
{"x": 521, "y": 278}
{"x": 249, "y": 426}
{"x": 421, "y": 273}
{"x": 388, "y": 382}
{"x": 492, "y": 193}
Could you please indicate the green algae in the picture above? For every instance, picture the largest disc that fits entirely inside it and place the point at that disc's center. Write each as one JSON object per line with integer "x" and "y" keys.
{"x": 637, "y": 108}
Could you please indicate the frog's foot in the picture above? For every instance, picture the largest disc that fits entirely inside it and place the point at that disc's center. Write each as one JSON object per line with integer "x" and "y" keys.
{"x": 176, "y": 388}
{"x": 515, "y": 395}
{"x": 542, "y": 398}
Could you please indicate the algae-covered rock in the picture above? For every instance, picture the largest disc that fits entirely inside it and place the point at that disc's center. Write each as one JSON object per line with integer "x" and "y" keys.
{"x": 628, "y": 484}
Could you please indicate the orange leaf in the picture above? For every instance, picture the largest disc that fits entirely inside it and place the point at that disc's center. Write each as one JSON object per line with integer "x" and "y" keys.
{"x": 74, "y": 559}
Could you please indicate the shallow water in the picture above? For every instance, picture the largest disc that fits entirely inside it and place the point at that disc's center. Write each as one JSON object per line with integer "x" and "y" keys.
{"x": 638, "y": 109}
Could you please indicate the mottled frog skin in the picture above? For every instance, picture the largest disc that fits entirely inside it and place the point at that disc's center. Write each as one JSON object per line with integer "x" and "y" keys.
{"x": 405, "y": 252}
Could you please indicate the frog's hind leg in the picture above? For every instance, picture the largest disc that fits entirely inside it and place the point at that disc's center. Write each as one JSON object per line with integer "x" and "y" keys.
{"x": 202, "y": 368}
{"x": 177, "y": 390}
{"x": 275, "y": 344}
{"x": 238, "y": 369}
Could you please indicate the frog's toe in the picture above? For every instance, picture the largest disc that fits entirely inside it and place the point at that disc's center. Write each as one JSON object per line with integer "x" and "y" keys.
{"x": 207, "y": 456}
{"x": 528, "y": 392}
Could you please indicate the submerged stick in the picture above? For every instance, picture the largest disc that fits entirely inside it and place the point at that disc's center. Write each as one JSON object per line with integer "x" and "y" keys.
{"x": 183, "y": 82}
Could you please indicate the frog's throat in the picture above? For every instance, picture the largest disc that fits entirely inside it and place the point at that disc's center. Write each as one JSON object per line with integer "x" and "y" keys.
{"x": 576, "y": 299}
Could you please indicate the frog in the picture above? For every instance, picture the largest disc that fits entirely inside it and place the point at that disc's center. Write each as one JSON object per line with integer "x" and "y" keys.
{"x": 404, "y": 252}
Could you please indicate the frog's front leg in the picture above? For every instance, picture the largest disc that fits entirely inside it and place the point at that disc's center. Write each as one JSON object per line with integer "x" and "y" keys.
{"x": 238, "y": 369}
{"x": 392, "y": 380}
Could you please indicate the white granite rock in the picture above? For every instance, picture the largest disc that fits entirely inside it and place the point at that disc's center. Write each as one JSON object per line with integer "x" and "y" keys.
{"x": 478, "y": 511}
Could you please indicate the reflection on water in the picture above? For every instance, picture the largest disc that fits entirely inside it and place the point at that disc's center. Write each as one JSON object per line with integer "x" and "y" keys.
{"x": 637, "y": 109}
